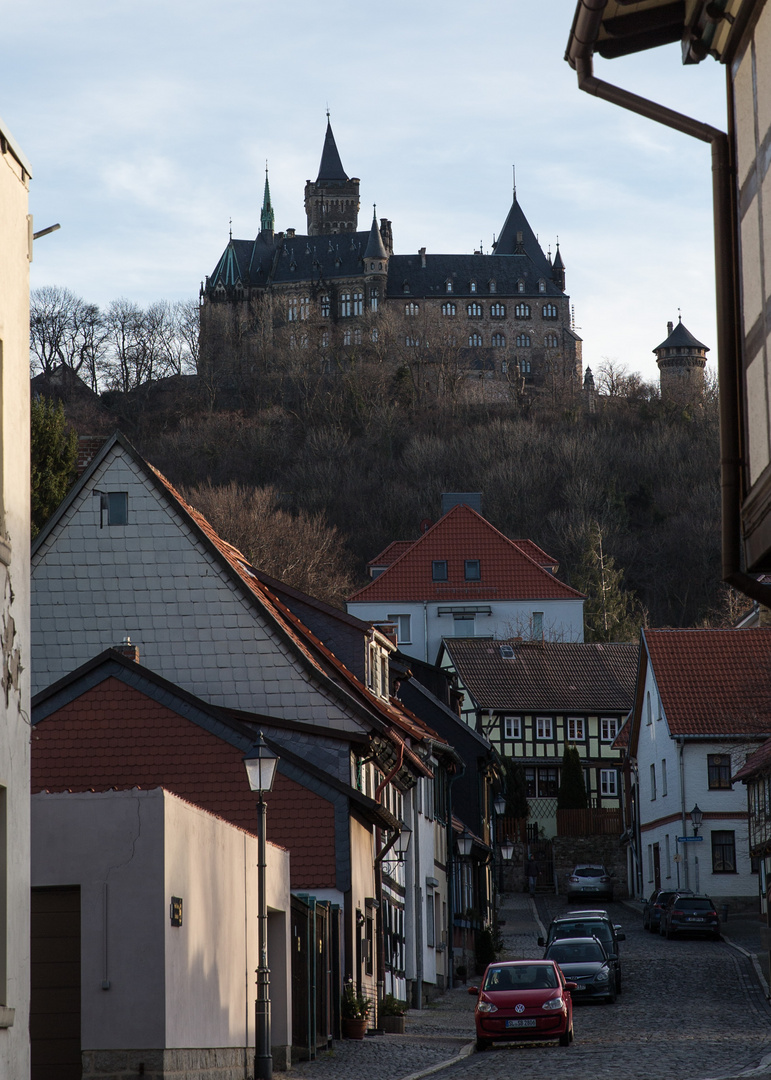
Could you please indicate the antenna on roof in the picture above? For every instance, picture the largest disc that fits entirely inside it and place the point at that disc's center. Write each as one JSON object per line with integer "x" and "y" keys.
{"x": 230, "y": 227}
{"x": 679, "y": 316}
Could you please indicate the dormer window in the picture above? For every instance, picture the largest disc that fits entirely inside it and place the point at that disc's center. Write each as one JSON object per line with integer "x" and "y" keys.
{"x": 448, "y": 286}
{"x": 542, "y": 285}
{"x": 439, "y": 570}
{"x": 493, "y": 287}
{"x": 472, "y": 570}
{"x": 520, "y": 286}
{"x": 472, "y": 286}
{"x": 406, "y": 288}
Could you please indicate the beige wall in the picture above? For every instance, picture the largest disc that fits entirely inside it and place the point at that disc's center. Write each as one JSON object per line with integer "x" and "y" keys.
{"x": 14, "y": 610}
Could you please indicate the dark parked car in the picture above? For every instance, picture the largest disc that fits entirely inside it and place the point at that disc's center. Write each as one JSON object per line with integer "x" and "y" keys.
{"x": 523, "y": 999}
{"x": 589, "y": 880}
{"x": 588, "y": 924}
{"x": 586, "y": 963}
{"x": 654, "y": 906}
{"x": 689, "y": 914}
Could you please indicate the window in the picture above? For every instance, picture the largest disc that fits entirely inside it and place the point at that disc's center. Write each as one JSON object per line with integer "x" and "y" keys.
{"x": 449, "y": 309}
{"x": 325, "y": 339}
{"x": 512, "y": 727}
{"x": 493, "y": 287}
{"x": 543, "y": 727}
{"x": 522, "y": 311}
{"x": 537, "y": 625}
{"x": 115, "y": 503}
{"x": 551, "y": 341}
{"x": 291, "y": 311}
{"x": 520, "y": 286}
{"x": 448, "y": 286}
{"x": 474, "y": 311}
{"x": 548, "y": 783}
{"x": 723, "y": 852}
{"x": 305, "y": 307}
{"x": 663, "y": 777}
{"x": 463, "y": 625}
{"x": 406, "y": 288}
{"x": 523, "y": 341}
{"x": 403, "y": 630}
{"x": 542, "y": 286}
{"x": 411, "y": 342}
{"x": 472, "y": 286}
{"x": 524, "y": 367}
{"x": 719, "y": 771}
{"x": 648, "y": 712}
{"x": 653, "y": 781}
{"x": 374, "y": 335}
{"x": 374, "y": 296}
{"x": 358, "y": 303}
{"x": 412, "y": 308}
{"x": 576, "y": 730}
{"x": 474, "y": 340}
{"x": 430, "y": 924}
{"x": 608, "y": 729}
{"x": 345, "y": 305}
{"x": 346, "y": 337}
{"x": 439, "y": 570}
{"x": 549, "y": 311}
{"x": 472, "y": 570}
{"x": 357, "y": 337}
{"x": 608, "y": 782}
{"x": 498, "y": 341}
{"x": 497, "y": 311}
{"x": 325, "y": 307}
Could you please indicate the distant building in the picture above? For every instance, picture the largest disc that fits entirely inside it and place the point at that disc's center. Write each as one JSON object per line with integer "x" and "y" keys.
{"x": 681, "y": 359}
{"x": 506, "y": 314}
{"x": 15, "y": 256}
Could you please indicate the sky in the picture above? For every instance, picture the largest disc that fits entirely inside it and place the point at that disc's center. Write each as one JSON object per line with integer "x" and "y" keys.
{"x": 148, "y": 126}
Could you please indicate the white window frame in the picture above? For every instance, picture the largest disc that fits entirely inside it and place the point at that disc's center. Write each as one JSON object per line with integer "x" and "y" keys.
{"x": 403, "y": 628}
{"x": 544, "y": 728}
{"x": 609, "y": 783}
{"x": 608, "y": 723}
{"x": 512, "y": 727}
{"x": 576, "y": 729}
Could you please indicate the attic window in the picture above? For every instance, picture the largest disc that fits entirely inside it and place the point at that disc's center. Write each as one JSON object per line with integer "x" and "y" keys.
{"x": 406, "y": 288}
{"x": 506, "y": 651}
{"x": 472, "y": 570}
{"x": 439, "y": 570}
{"x": 472, "y": 286}
{"x": 113, "y": 504}
{"x": 448, "y": 286}
{"x": 493, "y": 287}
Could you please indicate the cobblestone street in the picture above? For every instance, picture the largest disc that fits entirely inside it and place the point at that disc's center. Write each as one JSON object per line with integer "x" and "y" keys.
{"x": 690, "y": 1010}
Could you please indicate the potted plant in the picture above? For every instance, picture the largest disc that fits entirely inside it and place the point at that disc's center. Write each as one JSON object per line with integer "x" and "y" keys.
{"x": 392, "y": 1015}
{"x": 354, "y": 1012}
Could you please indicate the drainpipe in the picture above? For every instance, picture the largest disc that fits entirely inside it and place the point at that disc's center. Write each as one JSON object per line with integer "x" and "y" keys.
{"x": 681, "y": 746}
{"x": 451, "y": 898}
{"x": 586, "y": 27}
{"x": 417, "y": 995}
{"x": 425, "y": 631}
{"x": 379, "y": 884}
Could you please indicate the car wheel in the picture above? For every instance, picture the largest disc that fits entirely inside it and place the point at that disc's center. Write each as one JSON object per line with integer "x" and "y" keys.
{"x": 482, "y": 1045}
{"x": 567, "y": 1038}
{"x": 611, "y": 999}
{"x": 618, "y": 982}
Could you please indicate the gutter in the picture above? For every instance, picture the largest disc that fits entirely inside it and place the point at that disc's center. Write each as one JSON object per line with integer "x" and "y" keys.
{"x": 583, "y": 36}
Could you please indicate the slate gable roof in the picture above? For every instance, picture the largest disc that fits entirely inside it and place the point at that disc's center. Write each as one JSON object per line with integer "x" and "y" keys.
{"x": 507, "y": 572}
{"x": 549, "y": 676}
{"x": 712, "y": 682}
{"x": 431, "y": 280}
{"x": 681, "y": 338}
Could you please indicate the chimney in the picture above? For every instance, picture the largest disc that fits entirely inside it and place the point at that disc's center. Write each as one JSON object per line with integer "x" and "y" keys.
{"x": 131, "y": 652}
{"x": 670, "y": 328}
{"x": 388, "y": 630}
{"x": 290, "y": 234}
{"x": 469, "y": 498}
{"x": 88, "y": 447}
{"x": 422, "y": 253}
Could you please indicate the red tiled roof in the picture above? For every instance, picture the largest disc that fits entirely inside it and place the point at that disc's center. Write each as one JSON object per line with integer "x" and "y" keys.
{"x": 759, "y": 762}
{"x": 507, "y": 571}
{"x": 390, "y": 554}
{"x": 621, "y": 741}
{"x": 536, "y": 554}
{"x": 115, "y": 737}
{"x": 713, "y": 682}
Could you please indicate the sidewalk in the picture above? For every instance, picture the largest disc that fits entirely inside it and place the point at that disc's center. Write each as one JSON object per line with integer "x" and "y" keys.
{"x": 435, "y": 1036}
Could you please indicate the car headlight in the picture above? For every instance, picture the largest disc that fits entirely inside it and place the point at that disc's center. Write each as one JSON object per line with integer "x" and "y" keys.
{"x": 486, "y": 1007}
{"x": 602, "y": 976}
{"x": 553, "y": 1003}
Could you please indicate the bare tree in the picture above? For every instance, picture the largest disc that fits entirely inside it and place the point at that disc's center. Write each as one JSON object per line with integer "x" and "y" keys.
{"x": 65, "y": 330}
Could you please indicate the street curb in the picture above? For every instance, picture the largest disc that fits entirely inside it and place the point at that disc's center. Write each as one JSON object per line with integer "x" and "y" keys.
{"x": 464, "y": 1052}
{"x": 754, "y": 960}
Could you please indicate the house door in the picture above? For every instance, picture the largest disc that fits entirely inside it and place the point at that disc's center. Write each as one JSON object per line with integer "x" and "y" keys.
{"x": 54, "y": 1021}
{"x": 656, "y": 867}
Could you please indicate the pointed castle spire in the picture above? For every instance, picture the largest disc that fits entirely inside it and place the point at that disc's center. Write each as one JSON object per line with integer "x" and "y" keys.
{"x": 332, "y": 200}
{"x": 331, "y": 167}
{"x": 375, "y": 246}
{"x": 267, "y": 217}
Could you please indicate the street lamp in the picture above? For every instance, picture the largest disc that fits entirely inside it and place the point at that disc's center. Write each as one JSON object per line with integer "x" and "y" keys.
{"x": 261, "y": 764}
{"x": 507, "y": 849}
{"x": 403, "y": 842}
{"x": 696, "y": 818}
{"x": 500, "y": 804}
{"x": 465, "y": 842}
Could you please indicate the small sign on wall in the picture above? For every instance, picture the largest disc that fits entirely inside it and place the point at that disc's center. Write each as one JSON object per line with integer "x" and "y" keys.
{"x": 175, "y": 911}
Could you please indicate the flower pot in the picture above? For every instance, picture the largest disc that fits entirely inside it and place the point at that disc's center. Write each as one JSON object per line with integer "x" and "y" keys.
{"x": 393, "y": 1025}
{"x": 353, "y": 1029}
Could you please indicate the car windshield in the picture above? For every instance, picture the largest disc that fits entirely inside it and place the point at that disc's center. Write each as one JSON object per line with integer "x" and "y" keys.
{"x": 521, "y": 977}
{"x": 590, "y": 928}
{"x": 694, "y": 904}
{"x": 588, "y": 871}
{"x": 586, "y": 953}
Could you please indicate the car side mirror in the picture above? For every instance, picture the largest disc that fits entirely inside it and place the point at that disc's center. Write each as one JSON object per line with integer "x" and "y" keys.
{"x": 571, "y": 986}
{"x": 612, "y": 956}
{"x": 473, "y": 989}
{"x": 541, "y": 942}
{"x": 620, "y": 937}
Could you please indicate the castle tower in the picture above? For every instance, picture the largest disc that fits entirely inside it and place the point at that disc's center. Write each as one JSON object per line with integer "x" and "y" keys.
{"x": 375, "y": 266}
{"x": 267, "y": 217}
{"x": 681, "y": 359}
{"x": 332, "y": 201}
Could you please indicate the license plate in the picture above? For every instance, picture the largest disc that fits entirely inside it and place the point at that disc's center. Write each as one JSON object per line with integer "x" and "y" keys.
{"x": 693, "y": 918}
{"x": 578, "y": 988}
{"x": 520, "y": 1023}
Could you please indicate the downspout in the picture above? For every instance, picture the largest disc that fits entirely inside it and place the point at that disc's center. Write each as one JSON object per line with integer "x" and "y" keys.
{"x": 451, "y": 882}
{"x": 417, "y": 994}
{"x": 379, "y": 884}
{"x": 584, "y": 34}
{"x": 681, "y": 745}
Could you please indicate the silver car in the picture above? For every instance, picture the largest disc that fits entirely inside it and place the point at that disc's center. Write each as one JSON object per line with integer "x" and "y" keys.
{"x": 589, "y": 880}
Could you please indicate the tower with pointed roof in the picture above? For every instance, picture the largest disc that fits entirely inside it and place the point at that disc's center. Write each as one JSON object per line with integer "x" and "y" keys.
{"x": 681, "y": 359}
{"x": 332, "y": 200}
{"x": 267, "y": 217}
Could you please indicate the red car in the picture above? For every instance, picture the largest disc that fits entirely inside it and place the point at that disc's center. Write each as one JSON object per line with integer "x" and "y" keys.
{"x": 523, "y": 999}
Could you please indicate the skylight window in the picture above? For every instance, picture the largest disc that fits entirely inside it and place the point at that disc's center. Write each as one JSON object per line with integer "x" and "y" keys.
{"x": 506, "y": 651}
{"x": 439, "y": 570}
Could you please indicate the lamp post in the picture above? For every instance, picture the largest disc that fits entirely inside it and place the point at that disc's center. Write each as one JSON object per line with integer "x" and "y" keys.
{"x": 499, "y": 805}
{"x": 696, "y": 816}
{"x": 261, "y": 765}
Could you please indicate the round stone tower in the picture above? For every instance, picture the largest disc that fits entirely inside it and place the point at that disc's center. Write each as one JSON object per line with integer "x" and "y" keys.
{"x": 681, "y": 359}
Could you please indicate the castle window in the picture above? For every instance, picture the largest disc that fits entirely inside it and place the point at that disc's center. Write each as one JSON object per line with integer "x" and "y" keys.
{"x": 524, "y": 367}
{"x": 449, "y": 309}
{"x": 358, "y": 303}
{"x": 411, "y": 308}
{"x": 346, "y": 337}
{"x": 551, "y": 341}
{"x": 406, "y": 288}
{"x": 474, "y": 311}
{"x": 542, "y": 286}
{"x": 522, "y": 311}
{"x": 474, "y": 340}
{"x": 523, "y": 341}
{"x": 305, "y": 307}
{"x": 357, "y": 337}
{"x": 325, "y": 307}
{"x": 325, "y": 339}
{"x": 374, "y": 335}
{"x": 493, "y": 287}
{"x": 291, "y": 311}
{"x": 504, "y": 367}
{"x": 472, "y": 286}
{"x": 374, "y": 296}
{"x": 411, "y": 342}
{"x": 497, "y": 311}
{"x": 345, "y": 304}
{"x": 520, "y": 286}
{"x": 498, "y": 341}
{"x": 448, "y": 286}
{"x": 550, "y": 311}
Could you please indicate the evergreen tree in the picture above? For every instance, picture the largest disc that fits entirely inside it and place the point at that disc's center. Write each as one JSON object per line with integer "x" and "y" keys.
{"x": 54, "y": 451}
{"x": 515, "y": 789}
{"x": 572, "y": 790}
{"x": 610, "y": 612}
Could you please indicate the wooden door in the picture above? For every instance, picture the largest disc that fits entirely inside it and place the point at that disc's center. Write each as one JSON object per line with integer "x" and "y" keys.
{"x": 54, "y": 1021}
